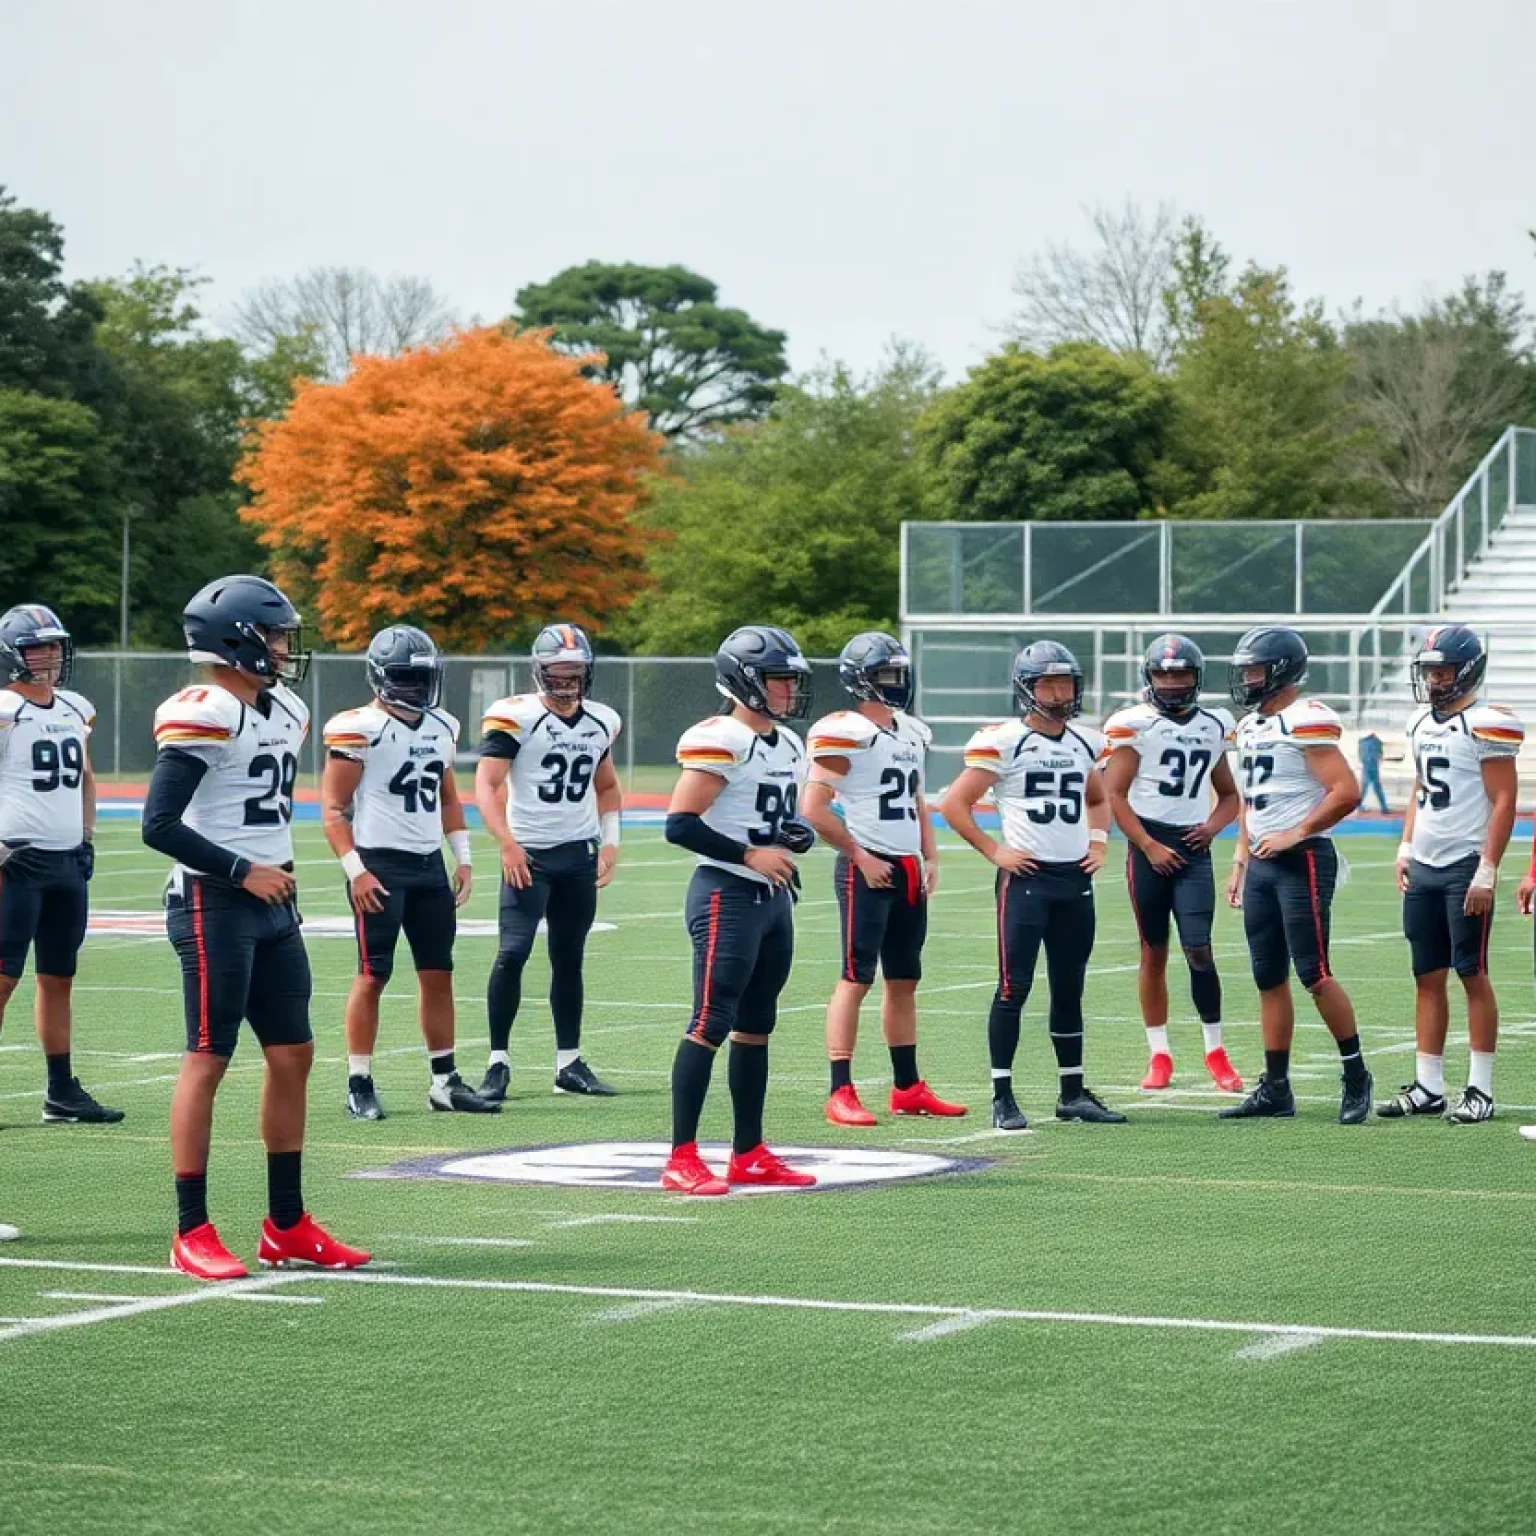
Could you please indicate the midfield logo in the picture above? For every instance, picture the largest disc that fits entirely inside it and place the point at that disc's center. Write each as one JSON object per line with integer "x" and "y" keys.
{"x": 637, "y": 1165}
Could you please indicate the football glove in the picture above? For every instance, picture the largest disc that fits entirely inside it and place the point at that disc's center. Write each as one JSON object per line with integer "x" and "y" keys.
{"x": 796, "y": 836}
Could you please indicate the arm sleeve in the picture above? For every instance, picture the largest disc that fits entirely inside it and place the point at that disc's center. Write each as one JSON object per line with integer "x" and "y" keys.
{"x": 686, "y": 830}
{"x": 171, "y": 787}
{"x": 498, "y": 744}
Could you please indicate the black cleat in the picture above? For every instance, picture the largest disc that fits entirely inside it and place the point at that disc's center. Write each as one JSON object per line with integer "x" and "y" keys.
{"x": 1006, "y": 1114}
{"x": 1472, "y": 1108}
{"x": 1413, "y": 1099}
{"x": 74, "y": 1106}
{"x": 1268, "y": 1100}
{"x": 1087, "y": 1108}
{"x": 362, "y": 1100}
{"x": 498, "y": 1079}
{"x": 580, "y": 1078}
{"x": 457, "y": 1095}
{"x": 1355, "y": 1103}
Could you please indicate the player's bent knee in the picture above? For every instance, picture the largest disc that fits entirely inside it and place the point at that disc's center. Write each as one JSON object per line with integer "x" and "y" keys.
{"x": 1200, "y": 957}
{"x": 745, "y": 1037}
{"x": 1315, "y": 979}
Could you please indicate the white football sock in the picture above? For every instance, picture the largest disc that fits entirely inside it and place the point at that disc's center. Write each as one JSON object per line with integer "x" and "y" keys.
{"x": 1157, "y": 1040}
{"x": 1480, "y": 1071}
{"x": 360, "y": 1066}
{"x": 499, "y": 1059}
{"x": 1212, "y": 1033}
{"x": 563, "y": 1059}
{"x": 1430, "y": 1072}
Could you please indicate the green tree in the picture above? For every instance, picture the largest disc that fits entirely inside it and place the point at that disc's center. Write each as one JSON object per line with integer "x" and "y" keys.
{"x": 794, "y": 521}
{"x": 669, "y": 347}
{"x": 1070, "y": 436}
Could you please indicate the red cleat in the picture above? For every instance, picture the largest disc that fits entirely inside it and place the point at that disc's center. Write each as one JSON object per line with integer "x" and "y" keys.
{"x": 760, "y": 1166}
{"x": 305, "y": 1244}
{"x": 1222, "y": 1071}
{"x": 1159, "y": 1072}
{"x": 843, "y": 1108}
{"x": 920, "y": 1099}
{"x": 202, "y": 1254}
{"x": 687, "y": 1173}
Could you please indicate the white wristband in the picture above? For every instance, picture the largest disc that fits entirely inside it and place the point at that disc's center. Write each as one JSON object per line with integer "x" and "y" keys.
{"x": 1404, "y": 851}
{"x": 1487, "y": 876}
{"x": 459, "y": 843}
{"x": 611, "y": 821}
{"x": 352, "y": 863}
{"x": 1097, "y": 835}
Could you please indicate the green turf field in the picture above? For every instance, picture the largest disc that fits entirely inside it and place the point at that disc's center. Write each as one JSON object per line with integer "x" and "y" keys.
{"x": 871, "y": 1359}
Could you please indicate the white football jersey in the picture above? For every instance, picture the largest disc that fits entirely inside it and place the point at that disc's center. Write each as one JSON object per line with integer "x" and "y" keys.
{"x": 1042, "y": 785}
{"x": 1451, "y": 817}
{"x": 1277, "y": 784}
{"x": 42, "y": 768}
{"x": 244, "y": 801}
{"x": 884, "y": 782}
{"x": 762, "y": 777}
{"x": 550, "y": 798}
{"x": 1174, "y": 760}
{"x": 398, "y": 802}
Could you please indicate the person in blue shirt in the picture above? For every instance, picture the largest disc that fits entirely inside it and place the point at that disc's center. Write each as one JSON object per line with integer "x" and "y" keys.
{"x": 1370, "y": 768}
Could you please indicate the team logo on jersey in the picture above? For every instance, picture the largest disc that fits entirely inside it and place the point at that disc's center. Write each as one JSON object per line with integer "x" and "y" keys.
{"x": 637, "y": 1165}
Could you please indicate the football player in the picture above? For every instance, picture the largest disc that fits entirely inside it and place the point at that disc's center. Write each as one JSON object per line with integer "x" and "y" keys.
{"x": 1040, "y": 769}
{"x": 47, "y": 822}
{"x": 868, "y": 760}
{"x": 1167, "y": 756}
{"x": 1295, "y": 784}
{"x": 550, "y": 796}
{"x": 735, "y": 806}
{"x": 220, "y": 803}
{"x": 388, "y": 796}
{"x": 1456, "y": 830}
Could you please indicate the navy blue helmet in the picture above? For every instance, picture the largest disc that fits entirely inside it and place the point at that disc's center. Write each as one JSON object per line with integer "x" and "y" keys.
{"x": 748, "y": 657}
{"x": 1451, "y": 645}
{"x": 561, "y": 645}
{"x": 1173, "y": 653}
{"x": 25, "y": 627}
{"x": 1046, "y": 658}
{"x": 1283, "y": 655}
{"x": 234, "y": 621}
{"x": 875, "y": 667}
{"x": 405, "y": 669}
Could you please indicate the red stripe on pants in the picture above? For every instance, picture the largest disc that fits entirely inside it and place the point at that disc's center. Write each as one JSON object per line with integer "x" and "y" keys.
{"x": 709, "y": 964}
{"x": 1002, "y": 946}
{"x": 1317, "y": 917}
{"x": 204, "y": 1037}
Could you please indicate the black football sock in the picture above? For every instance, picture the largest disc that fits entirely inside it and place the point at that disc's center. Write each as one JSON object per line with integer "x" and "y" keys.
{"x": 1002, "y": 1087}
{"x": 1205, "y": 993}
{"x": 904, "y": 1066}
{"x": 1277, "y": 1067}
{"x": 440, "y": 1063}
{"x": 1003, "y": 1033}
{"x": 503, "y": 997}
{"x": 747, "y": 1073}
{"x": 842, "y": 1073}
{"x": 191, "y": 1201}
{"x": 1354, "y": 1062}
{"x": 1067, "y": 1042}
{"x": 285, "y": 1196}
{"x": 59, "y": 1075}
{"x": 691, "y": 1069}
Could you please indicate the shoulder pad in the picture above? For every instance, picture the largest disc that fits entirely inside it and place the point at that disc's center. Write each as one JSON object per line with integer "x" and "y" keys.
{"x": 839, "y": 734}
{"x": 794, "y": 739}
{"x": 1496, "y": 725}
{"x": 1226, "y": 720}
{"x": 450, "y": 722}
{"x": 1125, "y": 725}
{"x": 716, "y": 743}
{"x": 197, "y": 716}
{"x": 1311, "y": 721}
{"x": 512, "y": 716}
{"x": 353, "y": 730}
{"x": 1093, "y": 738}
{"x": 920, "y": 729}
{"x": 986, "y": 748}
{"x": 9, "y": 703}
{"x": 80, "y": 702}
{"x": 606, "y": 716}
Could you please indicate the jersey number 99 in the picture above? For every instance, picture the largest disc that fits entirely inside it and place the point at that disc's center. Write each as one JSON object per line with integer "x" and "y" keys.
{"x": 57, "y": 764}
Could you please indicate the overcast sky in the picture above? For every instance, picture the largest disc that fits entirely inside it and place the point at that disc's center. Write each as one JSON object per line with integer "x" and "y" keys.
{"x": 845, "y": 170}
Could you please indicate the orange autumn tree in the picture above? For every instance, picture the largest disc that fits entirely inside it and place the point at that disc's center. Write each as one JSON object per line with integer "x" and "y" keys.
{"x": 477, "y": 487}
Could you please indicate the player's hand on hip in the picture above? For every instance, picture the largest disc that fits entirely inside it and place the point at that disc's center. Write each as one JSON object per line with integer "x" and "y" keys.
{"x": 607, "y": 860}
{"x": 1163, "y": 859}
{"x": 1200, "y": 837}
{"x": 269, "y": 884}
{"x": 1015, "y": 860}
{"x": 1273, "y": 843}
{"x": 877, "y": 873}
{"x": 773, "y": 864}
{"x": 1235, "y": 883}
{"x": 463, "y": 884}
{"x": 514, "y": 866}
{"x": 368, "y": 892}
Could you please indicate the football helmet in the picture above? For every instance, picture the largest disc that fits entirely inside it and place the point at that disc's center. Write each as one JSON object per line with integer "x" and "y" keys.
{"x": 1283, "y": 655}
{"x": 233, "y": 621}
{"x": 1450, "y": 645}
{"x": 1173, "y": 653}
{"x": 1046, "y": 658}
{"x": 561, "y": 645}
{"x": 25, "y": 627}
{"x": 405, "y": 669}
{"x": 875, "y": 667}
{"x": 748, "y": 657}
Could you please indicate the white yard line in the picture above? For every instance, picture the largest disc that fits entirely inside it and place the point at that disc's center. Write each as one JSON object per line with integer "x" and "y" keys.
{"x": 959, "y": 1323}
{"x": 1273, "y": 1344}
